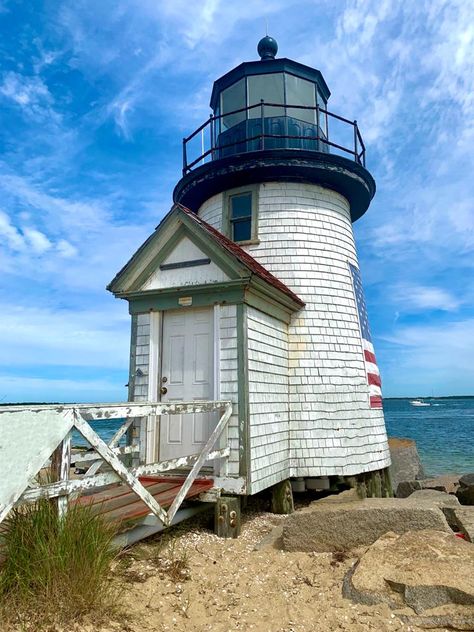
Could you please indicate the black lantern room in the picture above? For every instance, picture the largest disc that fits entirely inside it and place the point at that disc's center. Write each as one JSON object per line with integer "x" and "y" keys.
{"x": 270, "y": 104}
{"x": 270, "y": 121}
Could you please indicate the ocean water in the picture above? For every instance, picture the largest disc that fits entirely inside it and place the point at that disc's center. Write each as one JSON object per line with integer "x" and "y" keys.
{"x": 105, "y": 428}
{"x": 443, "y": 431}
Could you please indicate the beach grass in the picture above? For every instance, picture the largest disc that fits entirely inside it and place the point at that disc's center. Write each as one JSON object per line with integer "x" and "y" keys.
{"x": 55, "y": 571}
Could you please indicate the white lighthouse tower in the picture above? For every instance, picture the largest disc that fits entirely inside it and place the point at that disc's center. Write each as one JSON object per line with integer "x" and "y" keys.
{"x": 260, "y": 236}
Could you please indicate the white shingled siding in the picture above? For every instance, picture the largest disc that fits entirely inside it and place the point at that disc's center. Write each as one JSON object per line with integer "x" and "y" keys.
{"x": 185, "y": 251}
{"x": 140, "y": 357}
{"x": 269, "y": 445}
{"x": 228, "y": 377}
{"x": 138, "y": 384}
{"x": 211, "y": 211}
{"x": 306, "y": 240}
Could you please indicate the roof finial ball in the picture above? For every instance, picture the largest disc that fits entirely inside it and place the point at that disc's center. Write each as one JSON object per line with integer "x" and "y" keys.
{"x": 267, "y": 48}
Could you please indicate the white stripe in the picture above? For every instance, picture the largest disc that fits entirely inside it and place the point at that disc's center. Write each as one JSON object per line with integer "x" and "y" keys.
{"x": 368, "y": 346}
{"x": 372, "y": 368}
{"x": 375, "y": 390}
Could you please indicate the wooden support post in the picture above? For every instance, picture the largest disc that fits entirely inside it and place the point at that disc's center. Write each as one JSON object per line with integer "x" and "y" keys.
{"x": 227, "y": 517}
{"x": 387, "y": 489}
{"x": 361, "y": 487}
{"x": 282, "y": 498}
{"x": 377, "y": 484}
{"x": 369, "y": 483}
{"x": 60, "y": 465}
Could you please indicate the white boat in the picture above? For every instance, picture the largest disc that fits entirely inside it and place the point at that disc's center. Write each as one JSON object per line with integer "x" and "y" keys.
{"x": 419, "y": 402}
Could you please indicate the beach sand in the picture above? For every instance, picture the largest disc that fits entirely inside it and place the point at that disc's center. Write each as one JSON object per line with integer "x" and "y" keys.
{"x": 228, "y": 585}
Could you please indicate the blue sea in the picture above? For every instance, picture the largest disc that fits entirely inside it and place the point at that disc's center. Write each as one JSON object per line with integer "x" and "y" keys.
{"x": 443, "y": 431}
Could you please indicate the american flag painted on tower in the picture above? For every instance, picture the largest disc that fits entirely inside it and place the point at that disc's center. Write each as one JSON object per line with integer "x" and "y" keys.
{"x": 371, "y": 368}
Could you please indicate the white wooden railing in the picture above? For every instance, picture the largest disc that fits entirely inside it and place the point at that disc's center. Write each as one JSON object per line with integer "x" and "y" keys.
{"x": 29, "y": 435}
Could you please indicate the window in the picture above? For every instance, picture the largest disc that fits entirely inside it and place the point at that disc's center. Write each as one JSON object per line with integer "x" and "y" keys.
{"x": 240, "y": 207}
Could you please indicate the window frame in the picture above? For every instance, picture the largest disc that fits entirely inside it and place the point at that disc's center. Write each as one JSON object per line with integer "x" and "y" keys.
{"x": 226, "y": 217}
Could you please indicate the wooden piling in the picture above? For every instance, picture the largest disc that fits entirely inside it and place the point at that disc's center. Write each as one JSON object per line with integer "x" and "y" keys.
{"x": 282, "y": 498}
{"x": 227, "y": 517}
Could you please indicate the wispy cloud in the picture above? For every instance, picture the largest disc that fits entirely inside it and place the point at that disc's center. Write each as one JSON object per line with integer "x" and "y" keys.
{"x": 30, "y": 94}
{"x": 427, "y": 359}
{"x": 44, "y": 336}
{"x": 412, "y": 298}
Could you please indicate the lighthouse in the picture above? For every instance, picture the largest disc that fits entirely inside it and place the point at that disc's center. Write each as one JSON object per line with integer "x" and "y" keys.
{"x": 250, "y": 291}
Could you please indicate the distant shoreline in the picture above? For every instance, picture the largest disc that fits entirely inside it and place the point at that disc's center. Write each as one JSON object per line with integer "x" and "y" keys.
{"x": 432, "y": 397}
{"x": 384, "y": 398}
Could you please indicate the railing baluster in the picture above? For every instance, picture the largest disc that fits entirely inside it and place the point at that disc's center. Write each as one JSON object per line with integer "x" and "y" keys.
{"x": 211, "y": 123}
{"x": 317, "y": 126}
{"x": 356, "y": 156}
{"x": 185, "y": 160}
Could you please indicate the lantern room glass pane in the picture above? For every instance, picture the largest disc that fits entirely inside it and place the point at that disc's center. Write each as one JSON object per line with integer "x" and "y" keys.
{"x": 270, "y": 89}
{"x": 300, "y": 92}
{"x": 323, "y": 118}
{"x": 233, "y": 98}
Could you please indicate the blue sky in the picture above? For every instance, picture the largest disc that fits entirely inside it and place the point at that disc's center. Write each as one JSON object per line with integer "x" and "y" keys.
{"x": 95, "y": 98}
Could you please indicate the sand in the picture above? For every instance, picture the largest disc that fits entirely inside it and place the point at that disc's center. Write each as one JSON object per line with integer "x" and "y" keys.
{"x": 228, "y": 585}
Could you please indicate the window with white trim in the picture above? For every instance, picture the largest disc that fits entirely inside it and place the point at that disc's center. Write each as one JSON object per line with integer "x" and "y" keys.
{"x": 240, "y": 214}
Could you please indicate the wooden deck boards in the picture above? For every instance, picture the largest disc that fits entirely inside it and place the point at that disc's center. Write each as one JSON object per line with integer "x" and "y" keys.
{"x": 119, "y": 504}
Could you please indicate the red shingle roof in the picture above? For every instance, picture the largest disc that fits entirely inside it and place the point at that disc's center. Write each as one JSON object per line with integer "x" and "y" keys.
{"x": 243, "y": 256}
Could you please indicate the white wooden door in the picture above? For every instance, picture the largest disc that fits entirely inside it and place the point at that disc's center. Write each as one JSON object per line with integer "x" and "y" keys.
{"x": 187, "y": 374}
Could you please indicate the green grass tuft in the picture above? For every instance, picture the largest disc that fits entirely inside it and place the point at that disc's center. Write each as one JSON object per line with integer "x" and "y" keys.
{"x": 55, "y": 571}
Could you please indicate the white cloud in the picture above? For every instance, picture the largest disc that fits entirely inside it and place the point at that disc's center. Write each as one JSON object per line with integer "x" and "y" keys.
{"x": 14, "y": 239}
{"x": 66, "y": 249}
{"x": 449, "y": 347}
{"x": 41, "y": 336}
{"x": 428, "y": 360}
{"x": 413, "y": 298}
{"x": 59, "y": 213}
{"x": 30, "y": 93}
{"x": 37, "y": 240}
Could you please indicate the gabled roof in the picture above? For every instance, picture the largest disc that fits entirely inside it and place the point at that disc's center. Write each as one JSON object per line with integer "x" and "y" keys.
{"x": 217, "y": 238}
{"x": 239, "y": 253}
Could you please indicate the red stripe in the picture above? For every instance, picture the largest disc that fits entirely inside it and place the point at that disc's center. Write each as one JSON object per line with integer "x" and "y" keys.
{"x": 375, "y": 401}
{"x": 374, "y": 380}
{"x": 370, "y": 357}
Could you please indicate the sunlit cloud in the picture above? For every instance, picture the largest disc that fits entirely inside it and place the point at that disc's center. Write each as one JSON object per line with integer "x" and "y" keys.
{"x": 412, "y": 298}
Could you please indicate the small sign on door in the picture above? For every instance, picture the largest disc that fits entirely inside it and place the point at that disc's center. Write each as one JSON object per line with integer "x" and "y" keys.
{"x": 185, "y": 301}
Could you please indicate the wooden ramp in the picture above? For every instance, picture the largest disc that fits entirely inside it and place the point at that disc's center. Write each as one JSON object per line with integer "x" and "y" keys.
{"x": 119, "y": 504}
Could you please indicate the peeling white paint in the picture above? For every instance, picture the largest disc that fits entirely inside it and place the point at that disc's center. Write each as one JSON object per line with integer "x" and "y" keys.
{"x": 30, "y": 434}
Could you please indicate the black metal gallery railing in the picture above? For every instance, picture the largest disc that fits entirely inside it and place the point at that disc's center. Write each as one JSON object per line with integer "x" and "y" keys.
{"x": 272, "y": 126}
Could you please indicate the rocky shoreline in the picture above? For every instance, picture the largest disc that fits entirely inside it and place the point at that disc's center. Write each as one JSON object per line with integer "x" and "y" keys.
{"x": 337, "y": 564}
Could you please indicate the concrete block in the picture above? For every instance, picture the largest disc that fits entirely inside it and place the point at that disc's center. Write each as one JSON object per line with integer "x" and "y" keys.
{"x": 461, "y": 518}
{"x": 331, "y": 527}
{"x": 406, "y": 464}
{"x": 425, "y": 576}
{"x": 465, "y": 493}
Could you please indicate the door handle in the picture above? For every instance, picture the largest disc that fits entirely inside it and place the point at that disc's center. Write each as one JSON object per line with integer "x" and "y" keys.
{"x": 163, "y": 390}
